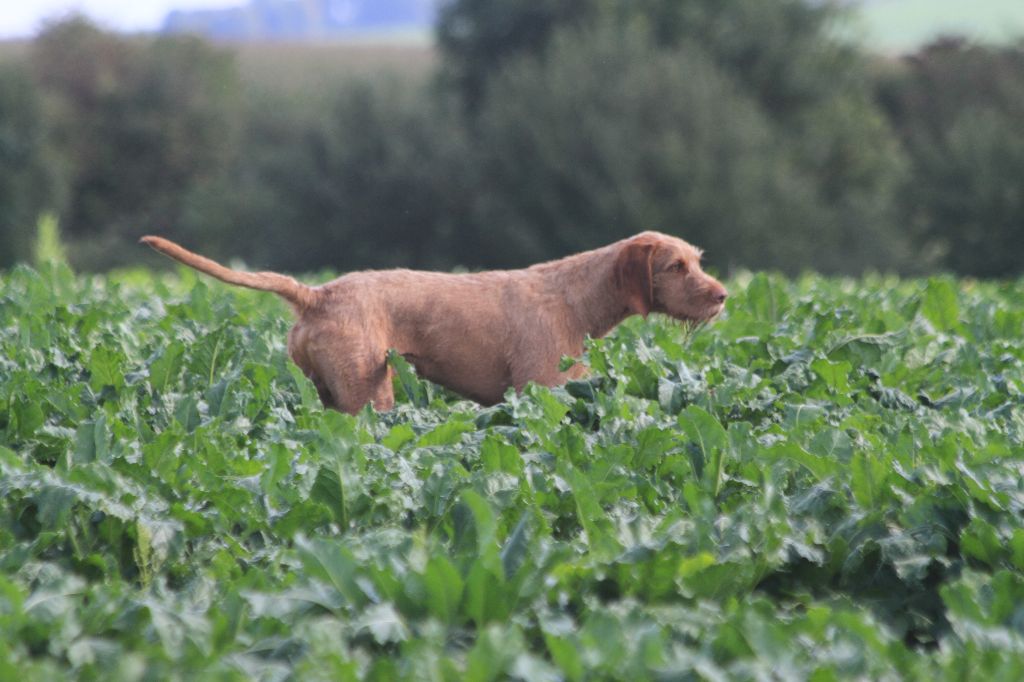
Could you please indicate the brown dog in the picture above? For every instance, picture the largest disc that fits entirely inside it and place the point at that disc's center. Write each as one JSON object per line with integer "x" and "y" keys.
{"x": 478, "y": 334}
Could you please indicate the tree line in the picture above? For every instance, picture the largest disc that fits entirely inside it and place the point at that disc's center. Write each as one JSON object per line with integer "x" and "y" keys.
{"x": 751, "y": 128}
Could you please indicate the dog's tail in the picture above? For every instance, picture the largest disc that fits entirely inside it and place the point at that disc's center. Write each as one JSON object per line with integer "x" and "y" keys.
{"x": 299, "y": 295}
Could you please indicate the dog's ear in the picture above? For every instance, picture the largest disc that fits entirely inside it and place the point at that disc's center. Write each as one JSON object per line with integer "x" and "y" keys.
{"x": 633, "y": 276}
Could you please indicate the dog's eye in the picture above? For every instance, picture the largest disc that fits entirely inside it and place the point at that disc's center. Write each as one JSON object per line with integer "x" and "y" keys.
{"x": 678, "y": 266}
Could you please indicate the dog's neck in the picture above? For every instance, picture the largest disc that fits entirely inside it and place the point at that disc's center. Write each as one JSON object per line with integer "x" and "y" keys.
{"x": 588, "y": 288}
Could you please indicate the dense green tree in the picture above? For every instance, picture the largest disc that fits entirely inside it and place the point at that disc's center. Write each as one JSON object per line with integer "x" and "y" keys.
{"x": 614, "y": 135}
{"x": 477, "y": 37}
{"x": 377, "y": 178}
{"x": 958, "y": 108}
{"x": 570, "y": 132}
{"x": 136, "y": 123}
{"x": 971, "y": 191}
{"x": 782, "y": 50}
{"x": 746, "y": 126}
{"x": 26, "y": 175}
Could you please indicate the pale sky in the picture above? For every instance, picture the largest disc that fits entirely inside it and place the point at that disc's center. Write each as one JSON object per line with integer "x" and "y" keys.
{"x": 21, "y": 19}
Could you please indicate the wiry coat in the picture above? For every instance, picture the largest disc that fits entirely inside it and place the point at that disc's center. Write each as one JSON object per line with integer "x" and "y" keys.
{"x": 477, "y": 334}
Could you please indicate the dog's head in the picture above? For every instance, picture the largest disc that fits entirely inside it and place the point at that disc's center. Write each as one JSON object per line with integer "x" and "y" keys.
{"x": 662, "y": 274}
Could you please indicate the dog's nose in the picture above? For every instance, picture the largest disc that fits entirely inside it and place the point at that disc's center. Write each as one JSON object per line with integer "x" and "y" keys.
{"x": 721, "y": 295}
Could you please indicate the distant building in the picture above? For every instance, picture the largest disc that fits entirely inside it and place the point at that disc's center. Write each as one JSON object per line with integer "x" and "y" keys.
{"x": 304, "y": 19}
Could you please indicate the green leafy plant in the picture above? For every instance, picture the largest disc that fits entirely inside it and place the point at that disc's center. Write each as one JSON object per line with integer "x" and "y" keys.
{"x": 48, "y": 247}
{"x": 824, "y": 483}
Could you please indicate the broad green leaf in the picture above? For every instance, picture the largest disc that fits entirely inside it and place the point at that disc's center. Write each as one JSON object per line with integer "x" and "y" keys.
{"x": 711, "y": 442}
{"x": 416, "y": 391}
{"x": 486, "y": 599}
{"x": 399, "y": 435}
{"x": 600, "y": 534}
{"x": 166, "y": 365}
{"x": 310, "y": 398}
{"x": 939, "y": 304}
{"x": 156, "y": 542}
{"x": 383, "y": 623}
{"x": 105, "y": 368}
{"x": 498, "y": 455}
{"x": 444, "y": 587}
{"x": 821, "y": 467}
{"x": 28, "y": 416}
{"x": 330, "y": 561}
{"x": 693, "y": 565}
{"x": 566, "y": 656}
{"x": 980, "y": 541}
{"x": 834, "y": 374}
{"x": 1017, "y": 548}
{"x": 867, "y": 479}
{"x": 766, "y": 299}
{"x": 448, "y": 433}
{"x": 476, "y": 532}
{"x": 652, "y": 444}
{"x": 495, "y": 648}
{"x": 517, "y": 546}
{"x": 329, "y": 489}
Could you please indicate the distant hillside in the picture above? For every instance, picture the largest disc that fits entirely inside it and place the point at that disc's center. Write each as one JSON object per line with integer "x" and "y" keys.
{"x": 903, "y": 25}
{"x": 304, "y": 19}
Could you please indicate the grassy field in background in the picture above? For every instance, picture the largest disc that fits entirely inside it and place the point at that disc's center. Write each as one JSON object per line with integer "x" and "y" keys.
{"x": 13, "y": 49}
{"x": 308, "y": 67}
{"x": 303, "y": 66}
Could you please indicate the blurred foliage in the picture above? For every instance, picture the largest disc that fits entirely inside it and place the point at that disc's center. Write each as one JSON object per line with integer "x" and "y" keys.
{"x": 613, "y": 135}
{"x": 959, "y": 109}
{"x": 776, "y": 48}
{"x": 135, "y": 125}
{"x": 742, "y": 125}
{"x": 477, "y": 37}
{"x": 638, "y": 136}
{"x": 358, "y": 184}
{"x": 49, "y": 249}
{"x": 25, "y": 170}
{"x": 748, "y": 127}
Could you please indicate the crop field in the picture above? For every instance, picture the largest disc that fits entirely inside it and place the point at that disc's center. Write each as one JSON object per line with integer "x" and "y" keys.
{"x": 827, "y": 483}
{"x": 314, "y": 70}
